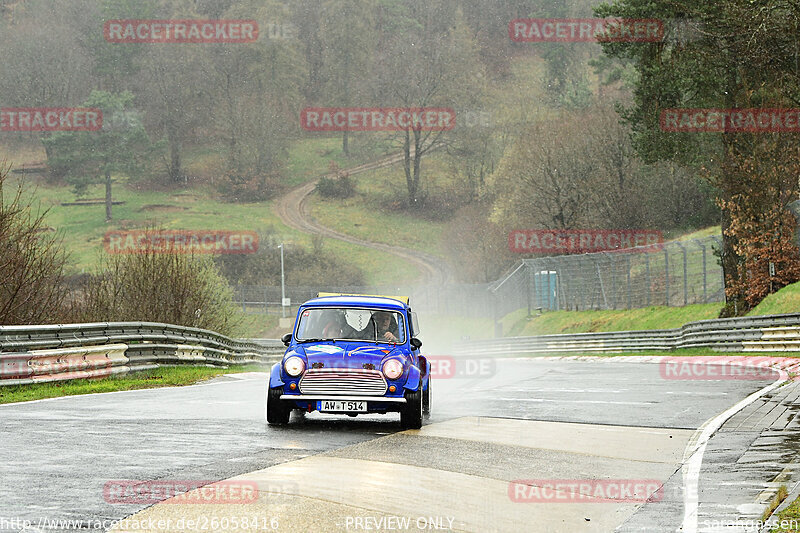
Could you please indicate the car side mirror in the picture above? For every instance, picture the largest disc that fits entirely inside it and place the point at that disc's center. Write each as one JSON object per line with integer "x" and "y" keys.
{"x": 416, "y": 343}
{"x": 286, "y": 339}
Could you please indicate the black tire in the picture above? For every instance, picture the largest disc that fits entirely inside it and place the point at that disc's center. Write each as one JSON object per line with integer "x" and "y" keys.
{"x": 426, "y": 401}
{"x": 411, "y": 413}
{"x": 277, "y": 410}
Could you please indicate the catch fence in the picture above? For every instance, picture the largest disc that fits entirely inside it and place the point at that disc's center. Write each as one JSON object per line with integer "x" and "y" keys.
{"x": 672, "y": 274}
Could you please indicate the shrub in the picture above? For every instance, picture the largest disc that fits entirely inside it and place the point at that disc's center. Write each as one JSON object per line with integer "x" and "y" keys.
{"x": 315, "y": 267}
{"x": 248, "y": 186}
{"x": 152, "y": 286}
{"x": 340, "y": 186}
{"x": 31, "y": 260}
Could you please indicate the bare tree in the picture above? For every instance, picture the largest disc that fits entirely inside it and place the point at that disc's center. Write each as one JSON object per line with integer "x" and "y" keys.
{"x": 31, "y": 260}
{"x": 427, "y": 60}
{"x": 544, "y": 181}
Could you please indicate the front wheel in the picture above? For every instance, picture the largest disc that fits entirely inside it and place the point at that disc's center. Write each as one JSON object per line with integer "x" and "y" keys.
{"x": 411, "y": 413}
{"x": 277, "y": 411}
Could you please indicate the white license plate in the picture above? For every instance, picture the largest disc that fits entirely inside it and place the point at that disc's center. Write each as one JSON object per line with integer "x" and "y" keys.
{"x": 342, "y": 406}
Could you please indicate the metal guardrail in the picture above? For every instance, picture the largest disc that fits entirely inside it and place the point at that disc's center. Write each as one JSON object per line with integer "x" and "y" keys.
{"x": 34, "y": 354}
{"x": 771, "y": 333}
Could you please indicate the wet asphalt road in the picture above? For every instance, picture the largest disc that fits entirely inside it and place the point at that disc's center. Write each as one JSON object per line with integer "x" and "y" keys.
{"x": 56, "y": 456}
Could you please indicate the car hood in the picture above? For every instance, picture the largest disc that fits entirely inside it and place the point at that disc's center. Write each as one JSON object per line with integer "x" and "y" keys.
{"x": 347, "y": 354}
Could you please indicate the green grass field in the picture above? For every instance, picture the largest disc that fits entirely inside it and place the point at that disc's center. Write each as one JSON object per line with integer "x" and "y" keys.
{"x": 786, "y": 300}
{"x": 197, "y": 208}
{"x": 362, "y": 215}
{"x": 612, "y": 320}
{"x": 310, "y": 158}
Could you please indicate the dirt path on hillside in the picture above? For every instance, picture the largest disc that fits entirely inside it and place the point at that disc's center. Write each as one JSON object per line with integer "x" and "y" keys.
{"x": 293, "y": 210}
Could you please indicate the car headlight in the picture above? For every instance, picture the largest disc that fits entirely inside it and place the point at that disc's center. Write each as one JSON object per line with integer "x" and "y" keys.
{"x": 294, "y": 366}
{"x": 392, "y": 369}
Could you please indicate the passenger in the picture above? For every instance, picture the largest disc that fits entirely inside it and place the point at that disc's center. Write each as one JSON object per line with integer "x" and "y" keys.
{"x": 335, "y": 325}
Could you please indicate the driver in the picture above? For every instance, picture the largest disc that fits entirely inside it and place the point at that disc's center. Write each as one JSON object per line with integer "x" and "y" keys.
{"x": 386, "y": 326}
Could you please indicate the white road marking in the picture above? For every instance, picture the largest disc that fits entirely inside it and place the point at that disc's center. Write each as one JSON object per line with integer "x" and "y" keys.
{"x": 697, "y": 447}
{"x": 542, "y": 400}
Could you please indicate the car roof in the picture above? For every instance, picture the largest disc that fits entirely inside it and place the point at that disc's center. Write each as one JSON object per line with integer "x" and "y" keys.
{"x": 380, "y": 302}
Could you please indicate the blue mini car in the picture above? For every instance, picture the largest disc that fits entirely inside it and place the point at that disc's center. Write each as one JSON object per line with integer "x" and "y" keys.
{"x": 352, "y": 354}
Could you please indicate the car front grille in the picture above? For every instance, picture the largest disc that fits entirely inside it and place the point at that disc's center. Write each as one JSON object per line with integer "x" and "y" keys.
{"x": 351, "y": 381}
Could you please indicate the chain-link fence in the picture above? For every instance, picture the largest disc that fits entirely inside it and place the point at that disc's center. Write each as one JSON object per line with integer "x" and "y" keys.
{"x": 672, "y": 274}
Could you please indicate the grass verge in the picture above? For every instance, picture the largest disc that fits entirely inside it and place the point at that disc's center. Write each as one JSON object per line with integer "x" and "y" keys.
{"x": 786, "y": 300}
{"x": 608, "y": 320}
{"x": 788, "y": 520}
{"x": 196, "y": 207}
{"x": 683, "y": 352}
{"x": 776, "y": 500}
{"x": 168, "y": 376}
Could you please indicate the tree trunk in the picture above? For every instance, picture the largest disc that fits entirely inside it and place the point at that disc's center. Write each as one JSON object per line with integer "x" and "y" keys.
{"x": 108, "y": 196}
{"x": 407, "y": 168}
{"x": 417, "y": 164}
{"x": 175, "y": 173}
{"x": 232, "y": 142}
{"x": 735, "y": 304}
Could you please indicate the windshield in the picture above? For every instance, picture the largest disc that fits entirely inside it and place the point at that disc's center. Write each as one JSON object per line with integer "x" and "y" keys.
{"x": 351, "y": 324}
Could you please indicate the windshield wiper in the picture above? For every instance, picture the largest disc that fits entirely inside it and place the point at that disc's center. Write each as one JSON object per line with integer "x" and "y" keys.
{"x": 301, "y": 341}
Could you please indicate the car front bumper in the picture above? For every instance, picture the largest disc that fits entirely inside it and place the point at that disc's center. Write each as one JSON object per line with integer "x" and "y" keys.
{"x": 311, "y": 397}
